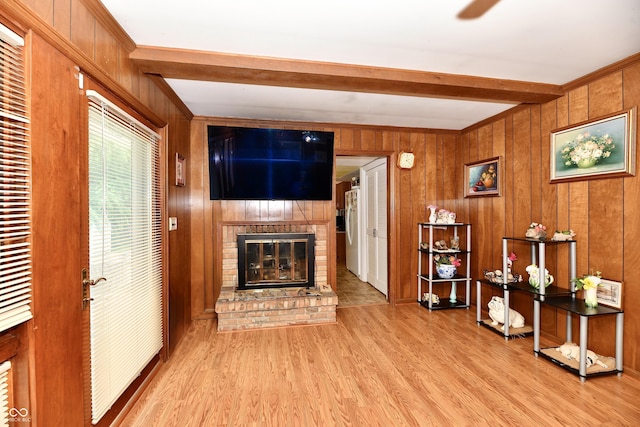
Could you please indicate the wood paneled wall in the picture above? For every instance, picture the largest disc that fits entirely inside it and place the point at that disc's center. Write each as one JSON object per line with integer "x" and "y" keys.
{"x": 68, "y": 34}
{"x": 603, "y": 212}
{"x": 408, "y": 197}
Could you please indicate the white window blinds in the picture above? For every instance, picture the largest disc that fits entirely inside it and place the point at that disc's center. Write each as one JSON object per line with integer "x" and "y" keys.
{"x": 15, "y": 176}
{"x": 125, "y": 248}
{"x": 4, "y": 393}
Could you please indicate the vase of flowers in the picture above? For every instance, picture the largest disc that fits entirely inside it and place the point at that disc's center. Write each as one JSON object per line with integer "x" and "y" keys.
{"x": 587, "y": 149}
{"x": 589, "y": 284}
{"x": 488, "y": 177}
{"x": 446, "y": 265}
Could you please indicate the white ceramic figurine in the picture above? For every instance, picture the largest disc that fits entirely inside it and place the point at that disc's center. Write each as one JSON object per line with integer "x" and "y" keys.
{"x": 496, "y": 313}
{"x": 572, "y": 351}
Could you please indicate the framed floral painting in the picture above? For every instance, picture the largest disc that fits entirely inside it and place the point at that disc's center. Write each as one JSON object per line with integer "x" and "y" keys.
{"x": 601, "y": 148}
{"x": 483, "y": 178}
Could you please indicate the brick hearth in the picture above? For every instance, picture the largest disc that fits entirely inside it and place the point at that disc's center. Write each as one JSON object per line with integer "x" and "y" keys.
{"x": 274, "y": 308}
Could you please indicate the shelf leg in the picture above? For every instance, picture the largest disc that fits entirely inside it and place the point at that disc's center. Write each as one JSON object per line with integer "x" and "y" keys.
{"x": 419, "y": 264}
{"x": 536, "y": 327}
{"x": 467, "y": 296}
{"x": 584, "y": 332}
{"x": 619, "y": 341}
{"x": 506, "y": 314}
{"x": 478, "y": 299}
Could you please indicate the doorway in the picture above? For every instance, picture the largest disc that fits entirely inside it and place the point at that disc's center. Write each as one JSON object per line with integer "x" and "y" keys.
{"x": 357, "y": 205}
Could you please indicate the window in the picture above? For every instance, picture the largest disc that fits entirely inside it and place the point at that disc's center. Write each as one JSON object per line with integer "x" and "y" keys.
{"x": 15, "y": 173}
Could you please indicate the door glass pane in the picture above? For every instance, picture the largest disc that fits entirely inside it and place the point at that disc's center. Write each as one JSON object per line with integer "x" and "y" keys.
{"x": 124, "y": 248}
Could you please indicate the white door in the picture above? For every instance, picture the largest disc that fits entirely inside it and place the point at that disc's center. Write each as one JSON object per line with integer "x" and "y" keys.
{"x": 376, "y": 223}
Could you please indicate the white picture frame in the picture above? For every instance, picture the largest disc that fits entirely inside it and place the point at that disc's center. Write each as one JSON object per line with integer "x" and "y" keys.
{"x": 610, "y": 293}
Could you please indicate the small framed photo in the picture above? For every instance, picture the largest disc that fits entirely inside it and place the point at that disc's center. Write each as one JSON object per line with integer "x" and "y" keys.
{"x": 610, "y": 293}
{"x": 600, "y": 148}
{"x": 180, "y": 170}
{"x": 483, "y": 178}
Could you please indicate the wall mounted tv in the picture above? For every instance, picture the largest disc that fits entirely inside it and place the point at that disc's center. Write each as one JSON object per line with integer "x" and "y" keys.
{"x": 270, "y": 164}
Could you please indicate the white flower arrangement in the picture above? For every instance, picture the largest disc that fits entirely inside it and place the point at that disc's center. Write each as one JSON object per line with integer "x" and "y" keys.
{"x": 587, "y": 149}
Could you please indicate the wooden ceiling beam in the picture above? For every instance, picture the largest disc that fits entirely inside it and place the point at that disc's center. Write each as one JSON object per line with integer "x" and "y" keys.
{"x": 231, "y": 68}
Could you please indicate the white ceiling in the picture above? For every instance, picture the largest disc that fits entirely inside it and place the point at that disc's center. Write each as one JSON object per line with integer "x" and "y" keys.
{"x": 542, "y": 41}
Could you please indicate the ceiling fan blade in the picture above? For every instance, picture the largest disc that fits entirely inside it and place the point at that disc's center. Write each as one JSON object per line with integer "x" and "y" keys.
{"x": 476, "y": 9}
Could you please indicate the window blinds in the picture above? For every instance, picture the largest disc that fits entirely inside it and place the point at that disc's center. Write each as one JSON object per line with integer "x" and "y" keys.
{"x": 4, "y": 393}
{"x": 125, "y": 248}
{"x": 15, "y": 174}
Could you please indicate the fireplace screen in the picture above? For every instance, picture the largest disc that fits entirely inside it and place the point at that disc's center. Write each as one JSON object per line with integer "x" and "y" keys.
{"x": 275, "y": 260}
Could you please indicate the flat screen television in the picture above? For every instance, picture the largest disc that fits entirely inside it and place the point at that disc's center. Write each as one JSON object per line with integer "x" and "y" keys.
{"x": 270, "y": 164}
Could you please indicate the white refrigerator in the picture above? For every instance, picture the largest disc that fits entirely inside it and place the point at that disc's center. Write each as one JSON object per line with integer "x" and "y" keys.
{"x": 353, "y": 224}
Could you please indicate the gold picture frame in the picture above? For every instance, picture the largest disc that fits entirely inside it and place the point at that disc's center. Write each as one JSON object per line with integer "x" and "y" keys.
{"x": 483, "y": 178}
{"x": 604, "y": 147}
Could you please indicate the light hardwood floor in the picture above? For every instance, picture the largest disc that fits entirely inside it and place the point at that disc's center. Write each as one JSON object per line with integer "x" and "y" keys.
{"x": 377, "y": 366}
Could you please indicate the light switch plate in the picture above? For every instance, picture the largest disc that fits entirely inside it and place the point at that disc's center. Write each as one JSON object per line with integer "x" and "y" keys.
{"x": 173, "y": 223}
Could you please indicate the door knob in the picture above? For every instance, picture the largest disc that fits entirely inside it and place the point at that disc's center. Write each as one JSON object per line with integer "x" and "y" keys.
{"x": 86, "y": 282}
{"x": 91, "y": 282}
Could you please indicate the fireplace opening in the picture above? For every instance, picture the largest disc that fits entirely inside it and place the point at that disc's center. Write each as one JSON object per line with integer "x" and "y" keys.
{"x": 275, "y": 260}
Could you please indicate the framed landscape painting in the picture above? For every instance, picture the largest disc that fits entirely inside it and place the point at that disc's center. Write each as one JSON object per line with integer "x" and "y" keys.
{"x": 601, "y": 148}
{"x": 610, "y": 293}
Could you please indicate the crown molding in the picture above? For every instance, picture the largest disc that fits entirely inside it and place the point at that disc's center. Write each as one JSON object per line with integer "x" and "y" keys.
{"x": 168, "y": 90}
{"x": 110, "y": 23}
{"x": 602, "y": 72}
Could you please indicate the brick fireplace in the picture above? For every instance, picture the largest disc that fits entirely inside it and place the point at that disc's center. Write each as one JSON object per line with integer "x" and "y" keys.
{"x": 272, "y": 305}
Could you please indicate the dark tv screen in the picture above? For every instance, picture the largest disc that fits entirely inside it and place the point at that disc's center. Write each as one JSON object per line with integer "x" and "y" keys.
{"x": 270, "y": 164}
